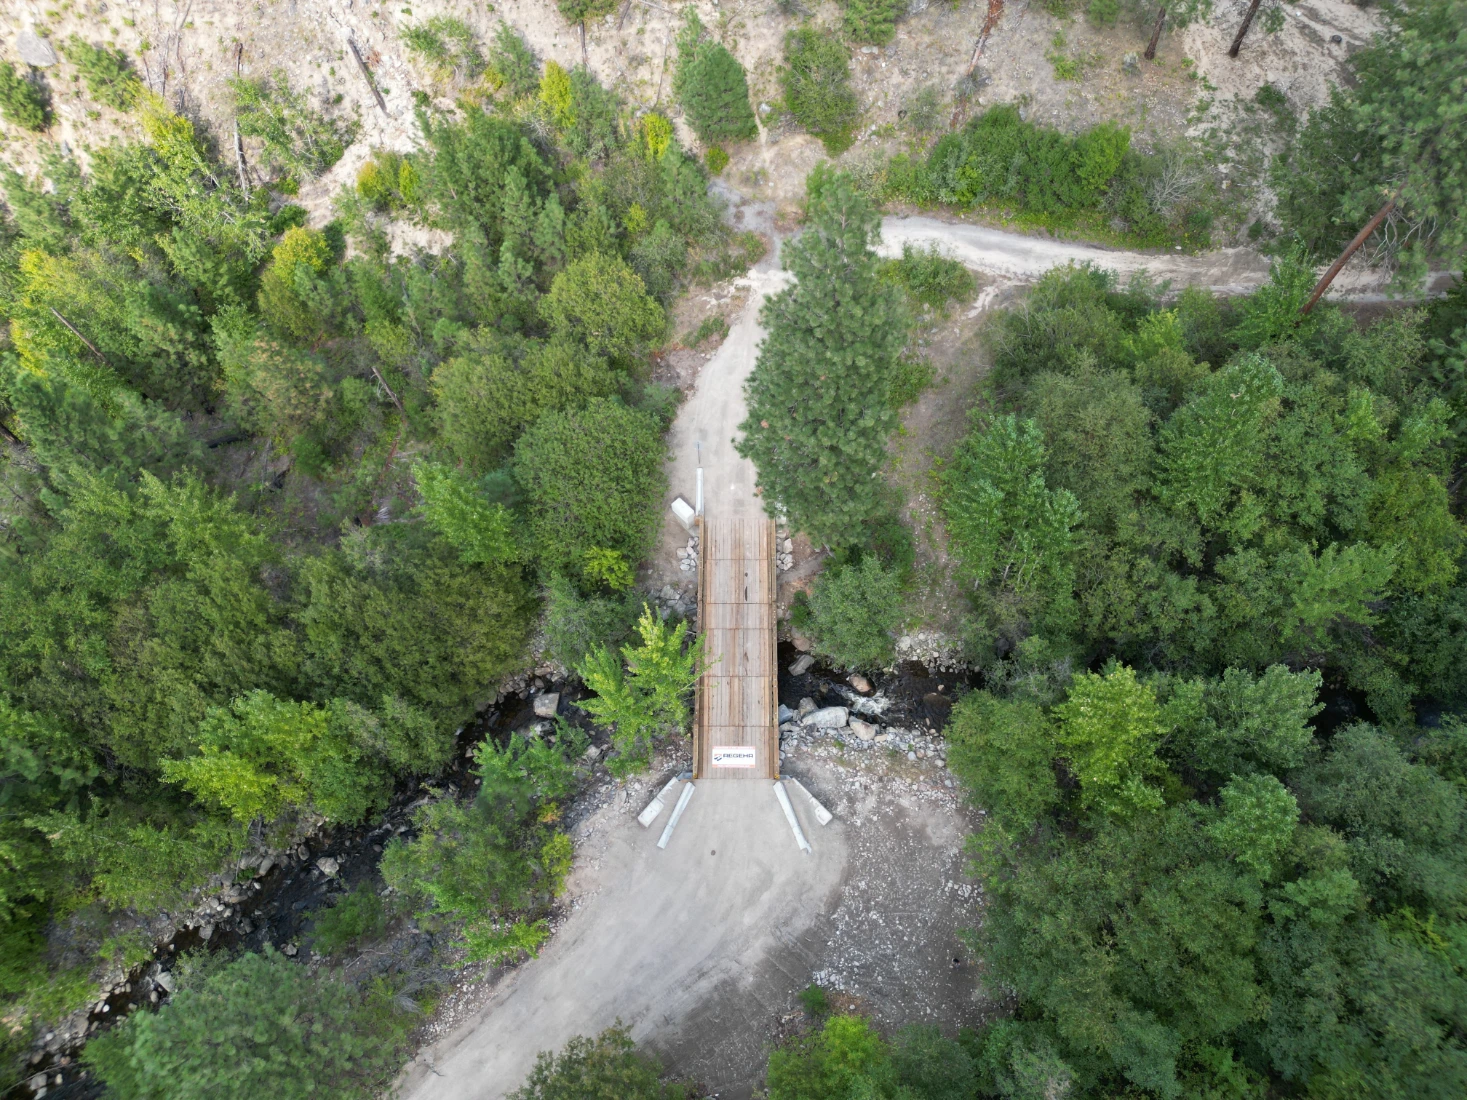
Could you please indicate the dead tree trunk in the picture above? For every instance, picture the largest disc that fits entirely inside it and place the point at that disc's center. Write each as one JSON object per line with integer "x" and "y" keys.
{"x": 1243, "y": 30}
{"x": 239, "y": 156}
{"x": 367, "y": 74}
{"x": 1350, "y": 249}
{"x": 1155, "y": 34}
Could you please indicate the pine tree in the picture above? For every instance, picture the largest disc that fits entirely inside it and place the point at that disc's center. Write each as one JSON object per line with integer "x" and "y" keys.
{"x": 710, "y": 84}
{"x": 819, "y": 396}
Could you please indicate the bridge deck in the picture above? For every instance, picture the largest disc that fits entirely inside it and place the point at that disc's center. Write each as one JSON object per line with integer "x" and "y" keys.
{"x": 738, "y": 697}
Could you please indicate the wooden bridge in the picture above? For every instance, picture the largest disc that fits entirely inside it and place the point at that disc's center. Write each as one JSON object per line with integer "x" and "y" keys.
{"x": 736, "y": 731}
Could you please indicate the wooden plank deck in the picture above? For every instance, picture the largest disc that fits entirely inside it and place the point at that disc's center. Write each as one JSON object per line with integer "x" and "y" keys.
{"x": 738, "y": 696}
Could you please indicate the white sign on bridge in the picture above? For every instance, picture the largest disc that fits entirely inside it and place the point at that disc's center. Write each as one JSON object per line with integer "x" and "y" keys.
{"x": 733, "y": 756}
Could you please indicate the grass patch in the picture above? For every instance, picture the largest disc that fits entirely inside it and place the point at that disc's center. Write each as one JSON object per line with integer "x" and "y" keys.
{"x": 711, "y": 326}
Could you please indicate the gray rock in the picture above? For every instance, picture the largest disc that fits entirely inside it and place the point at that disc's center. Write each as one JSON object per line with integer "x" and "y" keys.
{"x": 265, "y": 865}
{"x": 806, "y": 708}
{"x": 785, "y": 714}
{"x": 328, "y": 866}
{"x": 165, "y": 981}
{"x": 788, "y": 546}
{"x": 37, "y": 1083}
{"x": 911, "y": 756}
{"x": 801, "y": 665}
{"x": 800, "y": 642}
{"x": 206, "y": 932}
{"x": 593, "y": 753}
{"x": 290, "y": 950}
{"x": 828, "y": 718}
{"x": 864, "y": 730}
{"x": 35, "y": 50}
{"x": 547, "y": 704}
{"x": 860, "y": 683}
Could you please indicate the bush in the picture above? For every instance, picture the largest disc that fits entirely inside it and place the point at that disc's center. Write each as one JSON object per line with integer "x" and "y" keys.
{"x": 716, "y": 159}
{"x": 447, "y": 46}
{"x": 297, "y": 139}
{"x": 607, "y": 1066}
{"x": 109, "y": 76}
{"x": 603, "y": 303}
{"x": 513, "y": 62}
{"x": 929, "y": 277}
{"x": 648, "y": 700}
{"x": 817, "y": 87}
{"x": 492, "y": 864}
{"x": 857, "y": 611}
{"x": 23, "y": 100}
{"x": 710, "y": 84}
{"x": 260, "y": 1025}
{"x": 359, "y": 915}
{"x": 575, "y": 624}
{"x": 873, "y": 21}
{"x": 594, "y": 481}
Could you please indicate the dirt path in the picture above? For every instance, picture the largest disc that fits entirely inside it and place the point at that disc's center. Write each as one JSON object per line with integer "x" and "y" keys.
{"x": 1014, "y": 257}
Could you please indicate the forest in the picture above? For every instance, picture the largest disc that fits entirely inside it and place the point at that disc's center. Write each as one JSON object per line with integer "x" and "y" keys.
{"x": 282, "y": 503}
{"x": 288, "y": 500}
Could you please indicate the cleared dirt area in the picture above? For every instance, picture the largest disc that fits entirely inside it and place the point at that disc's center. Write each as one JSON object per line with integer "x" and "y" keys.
{"x": 700, "y": 948}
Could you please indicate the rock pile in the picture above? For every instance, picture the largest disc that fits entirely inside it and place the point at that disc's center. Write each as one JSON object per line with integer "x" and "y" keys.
{"x": 826, "y": 731}
{"x": 687, "y": 556}
{"x": 784, "y": 550}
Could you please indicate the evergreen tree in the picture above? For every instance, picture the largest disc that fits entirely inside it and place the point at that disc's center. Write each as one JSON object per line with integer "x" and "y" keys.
{"x": 710, "y": 85}
{"x": 819, "y": 396}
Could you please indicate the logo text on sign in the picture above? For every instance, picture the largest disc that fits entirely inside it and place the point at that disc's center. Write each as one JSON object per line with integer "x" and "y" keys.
{"x": 733, "y": 756}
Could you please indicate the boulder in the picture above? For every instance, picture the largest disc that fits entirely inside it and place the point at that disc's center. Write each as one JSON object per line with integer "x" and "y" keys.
{"x": 328, "y": 866}
{"x": 806, "y": 708}
{"x": 801, "y": 665}
{"x": 546, "y": 705}
{"x": 35, "y": 50}
{"x": 593, "y": 753}
{"x": 864, "y": 730}
{"x": 828, "y": 718}
{"x": 800, "y": 641}
{"x": 860, "y": 683}
{"x": 165, "y": 981}
{"x": 785, "y": 714}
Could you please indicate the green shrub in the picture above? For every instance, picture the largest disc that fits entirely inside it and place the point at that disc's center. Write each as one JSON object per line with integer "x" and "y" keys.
{"x": 513, "y": 62}
{"x": 357, "y": 916}
{"x": 1104, "y": 12}
{"x": 856, "y": 611}
{"x": 647, "y": 699}
{"x": 716, "y": 159}
{"x": 575, "y": 623}
{"x": 492, "y": 864}
{"x": 583, "y": 11}
{"x": 607, "y": 1066}
{"x": 447, "y": 46}
{"x": 593, "y": 479}
{"x": 815, "y": 1000}
{"x": 872, "y": 21}
{"x": 710, "y": 84}
{"x": 817, "y": 87}
{"x": 260, "y": 1025}
{"x": 23, "y": 100}
{"x": 929, "y": 277}
{"x": 913, "y": 378}
{"x": 109, "y": 76}
{"x": 297, "y": 139}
